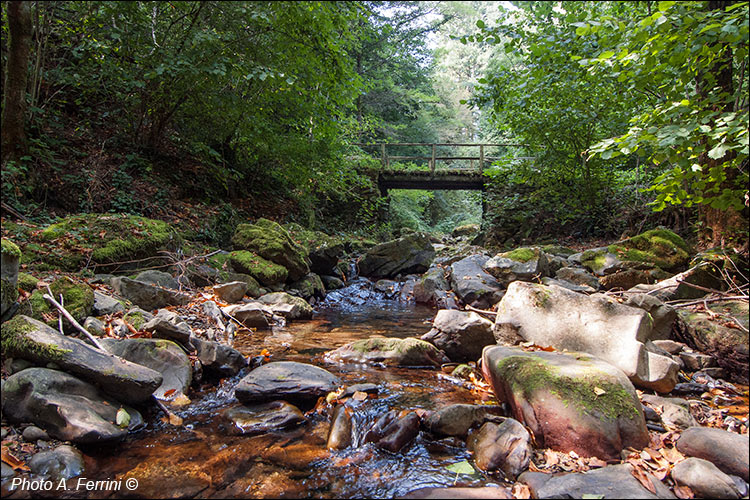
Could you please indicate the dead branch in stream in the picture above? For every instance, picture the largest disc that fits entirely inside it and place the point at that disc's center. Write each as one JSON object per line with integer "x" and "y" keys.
{"x": 50, "y": 298}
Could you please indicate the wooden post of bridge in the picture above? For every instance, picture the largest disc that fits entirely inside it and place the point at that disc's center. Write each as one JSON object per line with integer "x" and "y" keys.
{"x": 383, "y": 158}
{"x": 432, "y": 163}
{"x": 481, "y": 158}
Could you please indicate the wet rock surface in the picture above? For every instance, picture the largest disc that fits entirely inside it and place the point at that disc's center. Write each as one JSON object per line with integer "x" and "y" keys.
{"x": 287, "y": 380}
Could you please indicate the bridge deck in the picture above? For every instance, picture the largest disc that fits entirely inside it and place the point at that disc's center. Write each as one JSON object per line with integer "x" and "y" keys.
{"x": 422, "y": 179}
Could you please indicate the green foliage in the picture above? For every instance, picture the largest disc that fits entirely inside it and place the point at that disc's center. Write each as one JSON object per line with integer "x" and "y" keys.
{"x": 690, "y": 64}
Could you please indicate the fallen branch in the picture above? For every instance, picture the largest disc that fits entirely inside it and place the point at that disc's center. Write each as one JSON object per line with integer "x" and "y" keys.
{"x": 175, "y": 420}
{"x": 481, "y": 311}
{"x": 703, "y": 288}
{"x": 72, "y": 320}
{"x": 701, "y": 301}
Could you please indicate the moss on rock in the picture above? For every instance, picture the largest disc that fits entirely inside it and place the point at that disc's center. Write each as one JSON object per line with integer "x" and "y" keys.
{"x": 78, "y": 300}
{"x": 272, "y": 242}
{"x": 27, "y": 282}
{"x": 15, "y": 342}
{"x": 523, "y": 254}
{"x": 265, "y": 271}
{"x": 660, "y": 247}
{"x": 527, "y": 375}
{"x": 10, "y": 249}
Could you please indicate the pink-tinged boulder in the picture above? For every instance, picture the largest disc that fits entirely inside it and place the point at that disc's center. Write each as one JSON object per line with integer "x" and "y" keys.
{"x": 597, "y": 324}
{"x": 571, "y": 402}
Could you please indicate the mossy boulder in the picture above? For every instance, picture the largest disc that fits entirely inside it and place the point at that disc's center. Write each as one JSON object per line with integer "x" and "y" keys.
{"x": 27, "y": 282}
{"x": 272, "y": 242}
{"x": 78, "y": 300}
{"x": 100, "y": 239}
{"x": 408, "y": 255}
{"x": 309, "y": 286}
{"x": 658, "y": 247}
{"x": 266, "y": 272}
{"x": 520, "y": 264}
{"x": 323, "y": 250}
{"x": 571, "y": 401}
{"x": 599, "y": 261}
{"x": 10, "y": 258}
{"x": 389, "y": 351}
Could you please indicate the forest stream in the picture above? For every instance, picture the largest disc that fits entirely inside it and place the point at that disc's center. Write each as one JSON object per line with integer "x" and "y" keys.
{"x": 204, "y": 457}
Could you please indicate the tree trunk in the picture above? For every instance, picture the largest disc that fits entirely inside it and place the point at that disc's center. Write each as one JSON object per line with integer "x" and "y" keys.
{"x": 723, "y": 227}
{"x": 14, "y": 97}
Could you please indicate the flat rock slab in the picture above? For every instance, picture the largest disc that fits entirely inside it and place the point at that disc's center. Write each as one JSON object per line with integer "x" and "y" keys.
{"x": 389, "y": 351}
{"x": 147, "y": 295}
{"x": 460, "y": 334}
{"x": 615, "y": 481}
{"x": 265, "y": 417}
{"x": 460, "y": 492}
{"x": 286, "y": 305}
{"x": 33, "y": 340}
{"x": 164, "y": 356}
{"x": 729, "y": 451}
{"x": 570, "y": 401}
{"x": 253, "y": 314}
{"x": 298, "y": 383}
{"x": 563, "y": 319}
{"x": 66, "y": 407}
{"x": 169, "y": 325}
{"x": 219, "y": 359}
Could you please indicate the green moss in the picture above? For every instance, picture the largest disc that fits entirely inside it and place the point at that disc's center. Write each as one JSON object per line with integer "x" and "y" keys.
{"x": 8, "y": 293}
{"x": 78, "y": 301}
{"x": 527, "y": 375}
{"x": 594, "y": 259}
{"x": 659, "y": 247}
{"x": 135, "y": 318}
{"x": 9, "y": 248}
{"x": 266, "y": 272}
{"x": 217, "y": 261}
{"x": 558, "y": 250}
{"x": 16, "y": 343}
{"x": 521, "y": 254}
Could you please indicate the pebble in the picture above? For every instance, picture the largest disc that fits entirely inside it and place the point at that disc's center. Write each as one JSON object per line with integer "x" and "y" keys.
{"x": 34, "y": 433}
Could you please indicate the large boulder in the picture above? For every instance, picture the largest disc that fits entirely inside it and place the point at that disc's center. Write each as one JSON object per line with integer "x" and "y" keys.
{"x": 170, "y": 326}
{"x": 570, "y": 401}
{"x": 263, "y": 270}
{"x": 272, "y": 242}
{"x": 408, "y": 255}
{"x": 232, "y": 291}
{"x": 615, "y": 482}
{"x": 460, "y": 334}
{"x": 519, "y": 264}
{"x": 432, "y": 287}
{"x": 252, "y": 314}
{"x": 65, "y": 406}
{"x": 9, "y": 261}
{"x": 657, "y": 248}
{"x": 704, "y": 479}
{"x": 299, "y": 383}
{"x": 578, "y": 276}
{"x": 309, "y": 286}
{"x": 729, "y": 451}
{"x": 286, "y": 305}
{"x": 389, "y": 351}
{"x": 27, "y": 338}
{"x": 701, "y": 330}
{"x": 105, "y": 304}
{"x": 324, "y": 250}
{"x": 597, "y": 324}
{"x": 164, "y": 356}
{"x": 147, "y": 295}
{"x": 472, "y": 284}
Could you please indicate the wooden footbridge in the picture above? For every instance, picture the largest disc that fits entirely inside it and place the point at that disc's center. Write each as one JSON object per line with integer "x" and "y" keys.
{"x": 396, "y": 175}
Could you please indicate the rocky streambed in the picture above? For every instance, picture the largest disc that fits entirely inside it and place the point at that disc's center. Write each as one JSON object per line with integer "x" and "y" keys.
{"x": 539, "y": 372}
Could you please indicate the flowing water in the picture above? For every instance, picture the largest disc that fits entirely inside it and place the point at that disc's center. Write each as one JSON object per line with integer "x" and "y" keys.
{"x": 205, "y": 457}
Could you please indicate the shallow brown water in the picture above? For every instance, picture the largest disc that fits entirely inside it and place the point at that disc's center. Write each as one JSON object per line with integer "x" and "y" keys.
{"x": 204, "y": 458}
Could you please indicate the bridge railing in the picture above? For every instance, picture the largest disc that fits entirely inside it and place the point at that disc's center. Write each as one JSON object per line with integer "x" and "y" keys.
{"x": 481, "y": 158}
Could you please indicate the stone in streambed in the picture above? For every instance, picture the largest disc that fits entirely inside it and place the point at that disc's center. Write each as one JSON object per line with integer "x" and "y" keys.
{"x": 299, "y": 383}
{"x": 704, "y": 479}
{"x": 169, "y": 325}
{"x": 217, "y": 358}
{"x": 390, "y": 351}
{"x": 505, "y": 446}
{"x": 519, "y": 264}
{"x": 340, "y": 434}
{"x": 729, "y": 451}
{"x": 147, "y": 295}
{"x": 231, "y": 292}
{"x": 27, "y": 338}
{"x": 64, "y": 462}
{"x": 272, "y": 242}
{"x": 393, "y": 433}
{"x": 253, "y": 314}
{"x": 411, "y": 254}
{"x": 164, "y": 356}
{"x": 459, "y": 492}
{"x": 66, "y": 407}
{"x": 570, "y": 401}
{"x": 473, "y": 285}
{"x": 615, "y": 481}
{"x": 460, "y": 334}
{"x": 265, "y": 417}
{"x": 456, "y": 420}
{"x": 286, "y": 305}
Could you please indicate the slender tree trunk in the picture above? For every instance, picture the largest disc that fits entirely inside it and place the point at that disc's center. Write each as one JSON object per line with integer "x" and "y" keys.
{"x": 14, "y": 92}
{"x": 727, "y": 227}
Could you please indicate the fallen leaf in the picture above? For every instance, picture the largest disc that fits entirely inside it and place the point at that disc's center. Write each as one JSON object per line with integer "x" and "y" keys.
{"x": 672, "y": 455}
{"x": 643, "y": 478}
{"x": 180, "y": 400}
{"x": 597, "y": 462}
{"x": 169, "y": 392}
{"x": 175, "y": 420}
{"x": 599, "y": 391}
{"x": 683, "y": 492}
{"x": 122, "y": 419}
{"x": 520, "y": 490}
{"x": 14, "y": 462}
{"x": 463, "y": 467}
{"x": 359, "y": 396}
{"x": 551, "y": 458}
